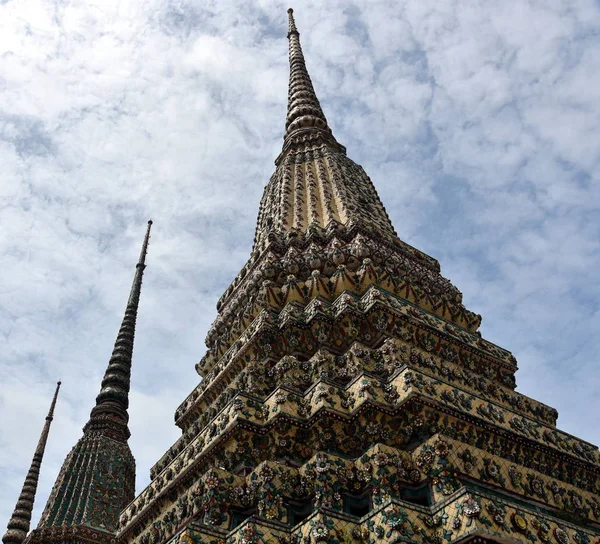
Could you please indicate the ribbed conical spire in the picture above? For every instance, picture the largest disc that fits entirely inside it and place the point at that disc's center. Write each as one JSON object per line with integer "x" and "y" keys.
{"x": 315, "y": 185}
{"x": 114, "y": 393}
{"x": 18, "y": 526}
{"x": 304, "y": 110}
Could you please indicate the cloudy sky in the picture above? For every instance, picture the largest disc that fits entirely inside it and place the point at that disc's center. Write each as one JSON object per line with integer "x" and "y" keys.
{"x": 477, "y": 121}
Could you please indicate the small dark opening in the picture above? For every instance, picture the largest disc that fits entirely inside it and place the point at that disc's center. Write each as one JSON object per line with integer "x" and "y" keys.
{"x": 243, "y": 470}
{"x": 379, "y": 342}
{"x": 299, "y": 511}
{"x": 239, "y": 516}
{"x": 358, "y": 506}
{"x": 417, "y": 495}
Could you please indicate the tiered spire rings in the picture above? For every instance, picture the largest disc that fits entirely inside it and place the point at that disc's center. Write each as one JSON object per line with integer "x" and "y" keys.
{"x": 114, "y": 393}
{"x": 304, "y": 109}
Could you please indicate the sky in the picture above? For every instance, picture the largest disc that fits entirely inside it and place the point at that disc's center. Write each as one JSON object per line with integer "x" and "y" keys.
{"x": 477, "y": 122}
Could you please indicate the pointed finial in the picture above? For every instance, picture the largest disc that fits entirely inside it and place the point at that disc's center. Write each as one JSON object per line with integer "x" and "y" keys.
{"x": 291, "y": 23}
{"x": 113, "y": 398}
{"x": 304, "y": 110}
{"x": 50, "y": 415}
{"x": 144, "y": 251}
{"x": 18, "y": 525}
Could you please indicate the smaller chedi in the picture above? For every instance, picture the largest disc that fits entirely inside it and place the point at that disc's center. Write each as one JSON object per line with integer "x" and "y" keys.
{"x": 346, "y": 395}
{"x": 97, "y": 479}
{"x": 19, "y": 523}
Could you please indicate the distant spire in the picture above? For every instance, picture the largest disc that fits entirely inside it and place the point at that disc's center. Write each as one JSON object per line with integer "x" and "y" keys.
{"x": 101, "y": 459}
{"x": 113, "y": 398}
{"x": 18, "y": 526}
{"x": 304, "y": 110}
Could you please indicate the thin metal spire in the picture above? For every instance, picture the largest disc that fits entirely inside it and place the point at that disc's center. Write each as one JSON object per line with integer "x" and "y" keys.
{"x": 113, "y": 398}
{"x": 304, "y": 110}
{"x": 18, "y": 525}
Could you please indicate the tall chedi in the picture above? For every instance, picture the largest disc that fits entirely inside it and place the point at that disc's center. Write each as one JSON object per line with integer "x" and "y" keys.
{"x": 18, "y": 525}
{"x": 97, "y": 479}
{"x": 346, "y": 395}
